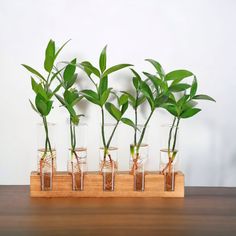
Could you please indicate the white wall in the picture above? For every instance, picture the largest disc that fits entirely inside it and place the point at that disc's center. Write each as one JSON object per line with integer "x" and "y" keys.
{"x": 196, "y": 35}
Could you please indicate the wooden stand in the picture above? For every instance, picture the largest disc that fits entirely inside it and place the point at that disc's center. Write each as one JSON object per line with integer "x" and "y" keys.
{"x": 124, "y": 184}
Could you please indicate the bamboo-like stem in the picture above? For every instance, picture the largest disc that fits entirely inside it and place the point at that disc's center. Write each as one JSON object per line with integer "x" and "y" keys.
{"x": 136, "y": 123}
{"x": 112, "y": 134}
{"x": 175, "y": 135}
{"x": 137, "y": 146}
{"x": 47, "y": 141}
{"x": 47, "y": 145}
{"x": 170, "y": 135}
{"x": 103, "y": 134}
{"x": 172, "y": 153}
{"x": 136, "y": 117}
{"x": 73, "y": 143}
{"x": 143, "y": 130}
{"x": 107, "y": 145}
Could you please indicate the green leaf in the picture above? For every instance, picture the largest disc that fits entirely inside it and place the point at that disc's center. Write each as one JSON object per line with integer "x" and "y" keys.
{"x": 71, "y": 82}
{"x": 115, "y": 68}
{"x": 136, "y": 74}
{"x": 70, "y": 96}
{"x": 123, "y": 99}
{"x": 49, "y": 56}
{"x": 91, "y": 96}
{"x": 136, "y": 79}
{"x": 103, "y": 85}
{"x": 69, "y": 71}
{"x": 34, "y": 108}
{"x": 160, "y": 100}
{"x": 131, "y": 98}
{"x": 105, "y": 96}
{"x": 203, "y": 97}
{"x": 171, "y": 98}
{"x": 147, "y": 93}
{"x": 71, "y": 110}
{"x": 136, "y": 83}
{"x": 146, "y": 90}
{"x": 182, "y": 100}
{"x": 59, "y": 50}
{"x": 103, "y": 59}
{"x": 178, "y": 75}
{"x": 128, "y": 122}
{"x": 42, "y": 105}
{"x": 90, "y": 69}
{"x": 171, "y": 109}
{"x": 179, "y": 87}
{"x": 190, "y": 112}
{"x": 187, "y": 105}
{"x": 34, "y": 85}
{"x": 158, "y": 67}
{"x": 194, "y": 87}
{"x": 37, "y": 88}
{"x": 158, "y": 83}
{"x": 124, "y": 107}
{"x": 49, "y": 106}
{"x": 140, "y": 100}
{"x": 35, "y": 72}
{"x": 113, "y": 111}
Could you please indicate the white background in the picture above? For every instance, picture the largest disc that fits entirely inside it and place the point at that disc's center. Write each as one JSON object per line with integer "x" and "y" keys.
{"x": 196, "y": 35}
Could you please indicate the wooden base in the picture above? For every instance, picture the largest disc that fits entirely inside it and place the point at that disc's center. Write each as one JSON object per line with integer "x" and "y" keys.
{"x": 124, "y": 185}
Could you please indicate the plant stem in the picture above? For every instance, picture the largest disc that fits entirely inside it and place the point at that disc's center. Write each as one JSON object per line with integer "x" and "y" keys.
{"x": 175, "y": 135}
{"x": 112, "y": 134}
{"x": 172, "y": 153}
{"x": 144, "y": 129}
{"x": 139, "y": 143}
{"x": 136, "y": 123}
{"x": 103, "y": 134}
{"x": 71, "y": 138}
{"x": 170, "y": 135}
{"x": 47, "y": 141}
{"x": 136, "y": 117}
{"x": 73, "y": 144}
{"x": 74, "y": 136}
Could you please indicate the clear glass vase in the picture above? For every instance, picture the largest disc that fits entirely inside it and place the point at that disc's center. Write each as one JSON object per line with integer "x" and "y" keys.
{"x": 138, "y": 152}
{"x": 138, "y": 156}
{"x": 108, "y": 167}
{"x": 139, "y": 177}
{"x": 168, "y": 155}
{"x": 138, "y": 159}
{"x": 108, "y": 159}
{"x": 46, "y": 165}
{"x": 77, "y": 163}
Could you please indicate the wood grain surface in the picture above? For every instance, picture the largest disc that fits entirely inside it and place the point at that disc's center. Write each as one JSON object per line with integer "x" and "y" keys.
{"x": 203, "y": 211}
{"x": 124, "y": 185}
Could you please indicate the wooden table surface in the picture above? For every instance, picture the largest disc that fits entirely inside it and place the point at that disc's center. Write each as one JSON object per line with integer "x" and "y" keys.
{"x": 204, "y": 211}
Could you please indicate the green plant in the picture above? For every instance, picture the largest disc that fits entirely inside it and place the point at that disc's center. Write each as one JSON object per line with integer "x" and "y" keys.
{"x": 101, "y": 94}
{"x": 43, "y": 89}
{"x": 69, "y": 100}
{"x": 181, "y": 104}
{"x": 155, "y": 95}
{"x": 135, "y": 101}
